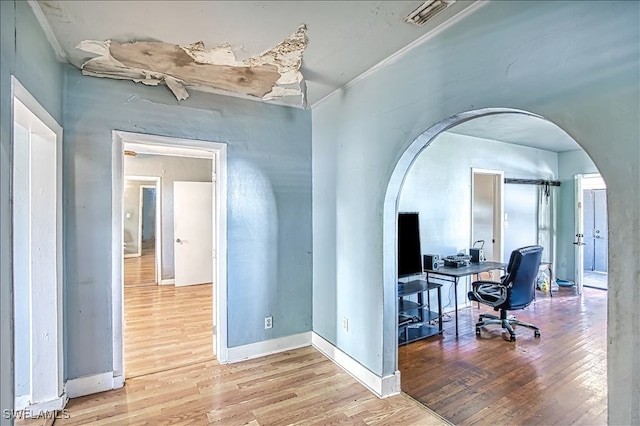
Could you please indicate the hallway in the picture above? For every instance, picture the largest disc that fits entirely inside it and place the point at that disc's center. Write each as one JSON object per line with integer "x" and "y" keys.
{"x": 141, "y": 270}
{"x": 167, "y": 327}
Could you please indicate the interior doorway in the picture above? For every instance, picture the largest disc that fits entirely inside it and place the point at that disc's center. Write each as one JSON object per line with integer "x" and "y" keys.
{"x": 159, "y": 331}
{"x": 487, "y": 212}
{"x": 142, "y": 242}
{"x": 188, "y": 317}
{"x": 591, "y": 223}
{"x": 37, "y": 256}
{"x": 452, "y": 348}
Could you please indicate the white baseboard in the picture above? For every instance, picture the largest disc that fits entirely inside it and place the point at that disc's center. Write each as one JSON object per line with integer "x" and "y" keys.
{"x": 381, "y": 386}
{"x": 56, "y": 404}
{"x": 168, "y": 281}
{"x": 118, "y": 382}
{"x": 268, "y": 347}
{"x": 88, "y": 385}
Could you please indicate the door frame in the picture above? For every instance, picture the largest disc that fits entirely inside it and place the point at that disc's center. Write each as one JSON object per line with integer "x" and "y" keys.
{"x": 498, "y": 207}
{"x": 579, "y": 225}
{"x": 218, "y": 153}
{"x": 46, "y": 318}
{"x": 157, "y": 183}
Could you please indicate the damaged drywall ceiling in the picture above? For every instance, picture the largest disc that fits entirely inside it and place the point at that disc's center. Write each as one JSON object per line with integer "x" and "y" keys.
{"x": 272, "y": 74}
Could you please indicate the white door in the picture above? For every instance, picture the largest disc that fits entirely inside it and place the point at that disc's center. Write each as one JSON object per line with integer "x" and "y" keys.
{"x": 193, "y": 232}
{"x": 486, "y": 212}
{"x": 579, "y": 242}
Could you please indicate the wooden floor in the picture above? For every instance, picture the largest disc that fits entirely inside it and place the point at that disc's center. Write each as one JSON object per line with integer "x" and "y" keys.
{"x": 140, "y": 270}
{"x": 299, "y": 387}
{"x": 167, "y": 327}
{"x": 559, "y": 378}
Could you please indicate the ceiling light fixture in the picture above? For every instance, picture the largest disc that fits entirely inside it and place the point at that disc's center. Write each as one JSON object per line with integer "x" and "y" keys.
{"x": 427, "y": 10}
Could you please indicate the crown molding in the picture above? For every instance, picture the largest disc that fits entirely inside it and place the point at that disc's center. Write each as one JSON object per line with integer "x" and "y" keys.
{"x": 402, "y": 52}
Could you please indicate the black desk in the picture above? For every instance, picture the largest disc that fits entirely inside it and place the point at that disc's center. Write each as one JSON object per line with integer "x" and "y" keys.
{"x": 452, "y": 275}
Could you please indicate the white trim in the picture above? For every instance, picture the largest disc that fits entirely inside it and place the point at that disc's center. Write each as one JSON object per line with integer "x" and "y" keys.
{"x": 218, "y": 154}
{"x": 168, "y": 281}
{"x": 579, "y": 229}
{"x": 117, "y": 250}
{"x": 268, "y": 347}
{"x": 157, "y": 184}
{"x": 21, "y": 402}
{"x": 50, "y": 352}
{"x": 140, "y": 191}
{"x": 382, "y": 387}
{"x": 118, "y": 382}
{"x": 88, "y": 385}
{"x": 56, "y": 404}
{"x": 61, "y": 55}
{"x": 402, "y": 52}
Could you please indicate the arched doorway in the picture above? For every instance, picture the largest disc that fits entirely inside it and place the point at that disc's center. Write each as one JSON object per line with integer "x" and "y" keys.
{"x": 398, "y": 179}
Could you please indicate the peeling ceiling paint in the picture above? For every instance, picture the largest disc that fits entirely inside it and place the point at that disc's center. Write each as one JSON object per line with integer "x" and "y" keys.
{"x": 272, "y": 74}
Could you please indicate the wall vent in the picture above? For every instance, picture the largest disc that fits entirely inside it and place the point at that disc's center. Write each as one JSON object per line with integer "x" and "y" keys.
{"x": 427, "y": 10}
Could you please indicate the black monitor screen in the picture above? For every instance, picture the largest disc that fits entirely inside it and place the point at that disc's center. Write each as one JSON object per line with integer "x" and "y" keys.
{"x": 409, "y": 253}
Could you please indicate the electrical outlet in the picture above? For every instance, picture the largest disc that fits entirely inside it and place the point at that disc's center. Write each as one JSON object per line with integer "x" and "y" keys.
{"x": 345, "y": 323}
{"x": 268, "y": 323}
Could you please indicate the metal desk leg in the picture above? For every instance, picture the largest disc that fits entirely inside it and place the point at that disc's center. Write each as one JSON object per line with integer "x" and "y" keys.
{"x": 455, "y": 296}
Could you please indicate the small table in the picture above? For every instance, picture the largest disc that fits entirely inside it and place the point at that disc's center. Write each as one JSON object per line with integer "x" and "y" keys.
{"x": 452, "y": 275}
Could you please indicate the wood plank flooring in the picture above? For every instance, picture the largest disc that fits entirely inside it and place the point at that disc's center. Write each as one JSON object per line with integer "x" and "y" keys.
{"x": 140, "y": 270}
{"x": 559, "y": 378}
{"x": 299, "y": 387}
{"x": 167, "y": 327}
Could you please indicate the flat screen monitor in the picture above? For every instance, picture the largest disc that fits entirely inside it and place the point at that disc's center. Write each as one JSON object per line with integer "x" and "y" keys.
{"x": 409, "y": 253}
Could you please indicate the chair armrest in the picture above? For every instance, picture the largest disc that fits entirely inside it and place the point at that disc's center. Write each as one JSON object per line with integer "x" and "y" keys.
{"x": 491, "y": 293}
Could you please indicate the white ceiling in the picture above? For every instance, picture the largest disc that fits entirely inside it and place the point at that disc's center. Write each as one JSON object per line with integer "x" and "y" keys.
{"x": 520, "y": 130}
{"x": 346, "y": 38}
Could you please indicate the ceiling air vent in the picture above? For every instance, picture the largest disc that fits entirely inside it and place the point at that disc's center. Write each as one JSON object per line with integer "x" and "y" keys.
{"x": 427, "y": 10}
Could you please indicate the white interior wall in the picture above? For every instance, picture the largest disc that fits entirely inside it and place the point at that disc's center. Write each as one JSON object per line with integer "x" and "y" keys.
{"x": 21, "y": 265}
{"x": 38, "y": 254}
{"x": 44, "y": 266}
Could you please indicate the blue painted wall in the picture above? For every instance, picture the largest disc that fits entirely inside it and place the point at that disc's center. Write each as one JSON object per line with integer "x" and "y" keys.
{"x": 148, "y": 213}
{"x": 25, "y": 53}
{"x": 575, "y": 63}
{"x": 269, "y": 206}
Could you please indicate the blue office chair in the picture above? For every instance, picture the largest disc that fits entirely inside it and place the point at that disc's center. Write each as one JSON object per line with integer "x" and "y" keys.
{"x": 516, "y": 290}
